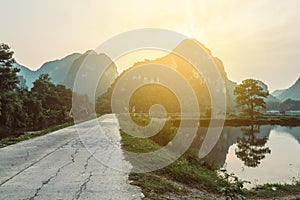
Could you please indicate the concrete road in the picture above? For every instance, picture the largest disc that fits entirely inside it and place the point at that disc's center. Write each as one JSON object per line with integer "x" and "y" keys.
{"x": 58, "y": 166}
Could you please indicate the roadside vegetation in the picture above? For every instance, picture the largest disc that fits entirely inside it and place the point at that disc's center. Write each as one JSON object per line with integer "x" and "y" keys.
{"x": 242, "y": 120}
{"x": 45, "y": 106}
{"x": 275, "y": 190}
{"x": 32, "y": 134}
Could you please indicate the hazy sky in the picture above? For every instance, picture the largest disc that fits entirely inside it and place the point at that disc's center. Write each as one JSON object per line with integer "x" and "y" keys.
{"x": 259, "y": 39}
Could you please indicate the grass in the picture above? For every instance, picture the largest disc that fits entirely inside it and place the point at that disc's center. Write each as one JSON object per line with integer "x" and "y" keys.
{"x": 153, "y": 186}
{"x": 272, "y": 190}
{"x": 32, "y": 134}
{"x": 177, "y": 178}
{"x": 240, "y": 120}
{"x": 283, "y": 120}
{"x": 28, "y": 135}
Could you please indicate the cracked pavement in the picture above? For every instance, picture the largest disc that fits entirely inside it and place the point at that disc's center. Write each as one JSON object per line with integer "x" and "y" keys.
{"x": 58, "y": 166}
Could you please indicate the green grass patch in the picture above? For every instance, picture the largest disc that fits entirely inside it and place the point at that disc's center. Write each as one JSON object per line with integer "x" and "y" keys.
{"x": 28, "y": 135}
{"x": 192, "y": 175}
{"x": 153, "y": 186}
{"x": 274, "y": 190}
{"x": 183, "y": 172}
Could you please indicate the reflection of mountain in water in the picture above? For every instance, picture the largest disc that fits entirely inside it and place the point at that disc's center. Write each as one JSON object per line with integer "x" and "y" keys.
{"x": 230, "y": 135}
{"x": 293, "y": 131}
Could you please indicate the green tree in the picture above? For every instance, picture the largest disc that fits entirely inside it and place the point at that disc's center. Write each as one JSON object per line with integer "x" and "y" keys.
{"x": 250, "y": 95}
{"x": 45, "y": 105}
{"x": 32, "y": 107}
{"x": 8, "y": 73}
{"x": 56, "y": 100}
{"x": 10, "y": 103}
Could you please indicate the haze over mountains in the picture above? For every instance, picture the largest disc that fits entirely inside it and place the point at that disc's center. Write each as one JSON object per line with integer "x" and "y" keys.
{"x": 154, "y": 93}
{"x": 63, "y": 71}
{"x": 56, "y": 69}
{"x": 292, "y": 92}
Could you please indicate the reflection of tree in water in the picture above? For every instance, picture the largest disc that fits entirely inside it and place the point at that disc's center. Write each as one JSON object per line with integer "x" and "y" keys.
{"x": 251, "y": 149}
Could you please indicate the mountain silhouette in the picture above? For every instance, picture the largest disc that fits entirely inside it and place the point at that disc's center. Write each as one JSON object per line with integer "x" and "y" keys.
{"x": 93, "y": 62}
{"x": 270, "y": 98}
{"x": 57, "y": 70}
{"x": 63, "y": 71}
{"x": 154, "y": 93}
{"x": 292, "y": 92}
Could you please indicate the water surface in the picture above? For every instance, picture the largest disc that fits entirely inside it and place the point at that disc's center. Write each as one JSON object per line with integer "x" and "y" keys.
{"x": 260, "y": 154}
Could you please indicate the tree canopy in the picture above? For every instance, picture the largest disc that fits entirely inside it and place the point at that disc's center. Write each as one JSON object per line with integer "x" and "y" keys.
{"x": 46, "y": 104}
{"x": 9, "y": 102}
{"x": 8, "y": 74}
{"x": 250, "y": 96}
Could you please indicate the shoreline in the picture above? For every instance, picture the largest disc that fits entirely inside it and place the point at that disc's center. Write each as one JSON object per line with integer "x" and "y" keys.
{"x": 242, "y": 121}
{"x": 284, "y": 120}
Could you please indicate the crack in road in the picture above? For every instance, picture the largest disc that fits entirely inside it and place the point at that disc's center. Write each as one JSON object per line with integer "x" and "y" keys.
{"x": 66, "y": 168}
{"x": 83, "y": 187}
{"x": 44, "y": 183}
{"x": 34, "y": 163}
{"x": 87, "y": 180}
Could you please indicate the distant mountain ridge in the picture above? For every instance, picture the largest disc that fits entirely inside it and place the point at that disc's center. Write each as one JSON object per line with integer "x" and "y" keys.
{"x": 56, "y": 69}
{"x": 93, "y": 62}
{"x": 63, "y": 71}
{"x": 270, "y": 98}
{"x": 292, "y": 92}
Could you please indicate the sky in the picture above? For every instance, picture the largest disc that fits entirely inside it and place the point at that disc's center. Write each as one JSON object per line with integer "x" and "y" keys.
{"x": 254, "y": 39}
